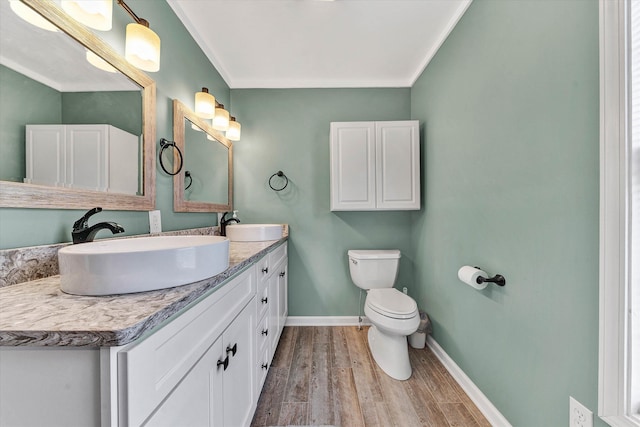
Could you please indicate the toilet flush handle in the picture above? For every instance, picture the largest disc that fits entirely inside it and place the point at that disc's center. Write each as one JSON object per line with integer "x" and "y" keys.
{"x": 354, "y": 261}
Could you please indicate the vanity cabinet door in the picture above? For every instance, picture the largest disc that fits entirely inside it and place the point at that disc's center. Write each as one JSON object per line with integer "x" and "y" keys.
{"x": 238, "y": 380}
{"x": 197, "y": 400}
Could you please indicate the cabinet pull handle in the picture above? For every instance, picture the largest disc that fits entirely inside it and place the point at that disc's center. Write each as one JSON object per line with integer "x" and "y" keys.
{"x": 224, "y": 363}
{"x": 265, "y": 332}
{"x": 265, "y": 365}
{"x": 282, "y": 274}
{"x": 265, "y": 270}
{"x": 232, "y": 349}
{"x": 264, "y": 300}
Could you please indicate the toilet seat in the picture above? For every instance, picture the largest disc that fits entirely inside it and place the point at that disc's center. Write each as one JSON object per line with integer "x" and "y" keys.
{"x": 390, "y": 302}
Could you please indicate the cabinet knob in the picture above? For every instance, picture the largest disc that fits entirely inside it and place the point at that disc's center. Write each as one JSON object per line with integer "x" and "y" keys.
{"x": 264, "y": 300}
{"x": 224, "y": 363}
{"x": 265, "y": 270}
{"x": 282, "y": 274}
{"x": 265, "y": 365}
{"x": 265, "y": 332}
{"x": 232, "y": 349}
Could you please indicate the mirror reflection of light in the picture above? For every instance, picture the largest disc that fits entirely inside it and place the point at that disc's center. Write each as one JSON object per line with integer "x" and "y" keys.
{"x": 96, "y": 14}
{"x": 32, "y": 17}
{"x": 100, "y": 63}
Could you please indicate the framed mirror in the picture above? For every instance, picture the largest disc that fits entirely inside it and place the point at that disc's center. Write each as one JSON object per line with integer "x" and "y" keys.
{"x": 205, "y": 183}
{"x": 74, "y": 136}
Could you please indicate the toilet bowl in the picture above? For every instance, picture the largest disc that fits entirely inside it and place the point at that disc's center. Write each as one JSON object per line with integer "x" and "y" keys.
{"x": 393, "y": 315}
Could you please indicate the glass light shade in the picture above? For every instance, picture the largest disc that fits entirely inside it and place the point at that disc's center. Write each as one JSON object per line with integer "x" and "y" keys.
{"x": 92, "y": 13}
{"x": 221, "y": 120}
{"x": 142, "y": 47}
{"x": 233, "y": 133}
{"x": 31, "y": 16}
{"x": 100, "y": 63}
{"x": 205, "y": 104}
{"x": 196, "y": 127}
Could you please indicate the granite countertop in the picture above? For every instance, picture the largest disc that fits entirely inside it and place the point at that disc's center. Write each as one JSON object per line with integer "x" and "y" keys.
{"x": 38, "y": 313}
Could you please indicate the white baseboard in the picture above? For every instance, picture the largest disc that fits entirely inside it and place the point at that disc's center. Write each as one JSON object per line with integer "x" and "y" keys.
{"x": 325, "y": 321}
{"x": 485, "y": 406}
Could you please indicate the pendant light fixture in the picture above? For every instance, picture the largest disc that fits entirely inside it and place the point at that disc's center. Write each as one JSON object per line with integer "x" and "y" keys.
{"x": 142, "y": 45}
{"x": 31, "y": 16}
{"x": 233, "y": 133}
{"x": 221, "y": 118}
{"x": 205, "y": 104}
{"x": 95, "y": 14}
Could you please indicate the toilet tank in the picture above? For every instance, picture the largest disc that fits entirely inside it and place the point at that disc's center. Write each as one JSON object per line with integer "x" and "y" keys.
{"x": 373, "y": 269}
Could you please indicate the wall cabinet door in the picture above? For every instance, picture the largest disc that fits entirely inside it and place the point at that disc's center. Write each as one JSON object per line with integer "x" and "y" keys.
{"x": 397, "y": 165}
{"x": 375, "y": 165}
{"x": 353, "y": 172}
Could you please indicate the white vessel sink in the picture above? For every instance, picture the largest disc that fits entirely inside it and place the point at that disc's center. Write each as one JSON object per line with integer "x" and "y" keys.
{"x": 141, "y": 264}
{"x": 254, "y": 232}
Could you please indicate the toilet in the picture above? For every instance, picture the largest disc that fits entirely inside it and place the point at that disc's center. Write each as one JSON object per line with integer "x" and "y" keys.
{"x": 393, "y": 315}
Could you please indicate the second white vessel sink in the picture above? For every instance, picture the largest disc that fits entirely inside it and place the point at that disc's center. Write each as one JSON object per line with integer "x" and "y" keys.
{"x": 141, "y": 264}
{"x": 254, "y": 232}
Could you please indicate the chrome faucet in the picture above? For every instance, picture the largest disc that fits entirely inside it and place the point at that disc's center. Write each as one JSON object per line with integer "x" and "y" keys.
{"x": 224, "y": 221}
{"x": 82, "y": 233}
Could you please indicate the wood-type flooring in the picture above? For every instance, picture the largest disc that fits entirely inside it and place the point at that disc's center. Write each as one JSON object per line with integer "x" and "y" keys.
{"x": 326, "y": 376}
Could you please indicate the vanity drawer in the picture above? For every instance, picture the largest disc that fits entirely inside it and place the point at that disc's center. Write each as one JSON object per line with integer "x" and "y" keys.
{"x": 263, "y": 333}
{"x": 150, "y": 368}
{"x": 277, "y": 255}
{"x": 263, "y": 368}
{"x": 263, "y": 299}
{"x": 262, "y": 268}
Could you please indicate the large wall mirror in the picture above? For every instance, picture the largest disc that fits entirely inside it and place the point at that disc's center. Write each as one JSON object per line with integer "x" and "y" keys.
{"x": 205, "y": 182}
{"x": 77, "y": 122}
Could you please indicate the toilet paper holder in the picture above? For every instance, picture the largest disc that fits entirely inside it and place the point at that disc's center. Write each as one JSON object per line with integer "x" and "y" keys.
{"x": 498, "y": 279}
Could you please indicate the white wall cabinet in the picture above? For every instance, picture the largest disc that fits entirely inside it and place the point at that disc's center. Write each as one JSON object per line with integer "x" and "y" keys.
{"x": 93, "y": 157}
{"x": 375, "y": 166}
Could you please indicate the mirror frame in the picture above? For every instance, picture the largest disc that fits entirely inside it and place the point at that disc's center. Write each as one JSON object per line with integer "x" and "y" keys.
{"x": 21, "y": 195}
{"x": 180, "y": 113}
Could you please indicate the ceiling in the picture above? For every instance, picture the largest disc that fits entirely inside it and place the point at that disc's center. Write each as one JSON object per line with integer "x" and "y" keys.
{"x": 319, "y": 44}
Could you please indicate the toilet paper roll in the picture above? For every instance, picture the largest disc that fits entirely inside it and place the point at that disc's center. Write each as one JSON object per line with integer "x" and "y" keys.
{"x": 469, "y": 275}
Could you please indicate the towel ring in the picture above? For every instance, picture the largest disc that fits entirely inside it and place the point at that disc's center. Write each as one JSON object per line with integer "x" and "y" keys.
{"x": 280, "y": 174}
{"x": 164, "y": 143}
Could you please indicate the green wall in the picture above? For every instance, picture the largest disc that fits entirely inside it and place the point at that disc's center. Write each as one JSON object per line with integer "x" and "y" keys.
{"x": 509, "y": 113}
{"x": 184, "y": 70}
{"x": 509, "y": 119}
{"x": 288, "y": 130}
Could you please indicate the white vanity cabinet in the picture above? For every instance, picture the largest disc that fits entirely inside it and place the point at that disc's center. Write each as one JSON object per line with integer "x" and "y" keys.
{"x": 271, "y": 308}
{"x": 94, "y": 157}
{"x": 375, "y": 166}
{"x": 200, "y": 365}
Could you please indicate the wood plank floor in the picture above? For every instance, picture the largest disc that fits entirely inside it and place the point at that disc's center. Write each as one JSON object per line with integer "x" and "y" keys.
{"x": 327, "y": 376}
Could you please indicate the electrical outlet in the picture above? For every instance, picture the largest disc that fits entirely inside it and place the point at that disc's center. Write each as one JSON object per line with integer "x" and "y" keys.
{"x": 405, "y": 290}
{"x": 579, "y": 415}
{"x": 155, "y": 222}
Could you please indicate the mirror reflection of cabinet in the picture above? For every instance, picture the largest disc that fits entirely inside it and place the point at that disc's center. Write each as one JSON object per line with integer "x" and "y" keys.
{"x": 208, "y": 158}
{"x": 92, "y": 157}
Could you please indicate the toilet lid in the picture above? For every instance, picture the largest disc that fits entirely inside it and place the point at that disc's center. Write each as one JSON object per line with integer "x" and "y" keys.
{"x": 391, "y": 302}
